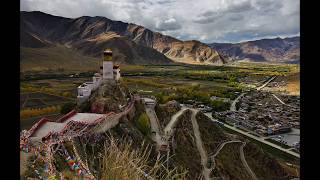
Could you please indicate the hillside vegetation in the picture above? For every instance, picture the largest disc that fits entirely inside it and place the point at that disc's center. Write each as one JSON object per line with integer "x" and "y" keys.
{"x": 56, "y": 58}
{"x": 131, "y": 43}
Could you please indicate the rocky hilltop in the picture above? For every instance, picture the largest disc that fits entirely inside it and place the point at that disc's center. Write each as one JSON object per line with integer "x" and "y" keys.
{"x": 131, "y": 43}
{"x": 285, "y": 50}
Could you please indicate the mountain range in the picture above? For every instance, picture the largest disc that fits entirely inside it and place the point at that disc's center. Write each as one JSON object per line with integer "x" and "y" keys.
{"x": 131, "y": 43}
{"x": 286, "y": 50}
{"x": 46, "y": 39}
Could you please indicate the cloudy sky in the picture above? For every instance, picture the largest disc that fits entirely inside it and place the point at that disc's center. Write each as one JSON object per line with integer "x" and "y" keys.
{"x": 204, "y": 20}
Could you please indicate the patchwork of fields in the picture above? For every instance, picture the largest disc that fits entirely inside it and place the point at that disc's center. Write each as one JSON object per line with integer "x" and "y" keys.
{"x": 166, "y": 82}
{"x": 41, "y": 100}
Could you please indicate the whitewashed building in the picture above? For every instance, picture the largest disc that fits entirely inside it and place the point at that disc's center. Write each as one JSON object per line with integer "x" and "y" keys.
{"x": 116, "y": 72}
{"x": 109, "y": 71}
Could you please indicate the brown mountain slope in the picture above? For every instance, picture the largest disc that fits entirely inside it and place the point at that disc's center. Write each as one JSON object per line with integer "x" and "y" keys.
{"x": 90, "y": 35}
{"x": 193, "y": 52}
{"x": 54, "y": 58}
{"x": 285, "y": 50}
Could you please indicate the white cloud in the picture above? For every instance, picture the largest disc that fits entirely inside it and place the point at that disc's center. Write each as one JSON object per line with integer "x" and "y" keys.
{"x": 205, "y": 20}
{"x": 168, "y": 25}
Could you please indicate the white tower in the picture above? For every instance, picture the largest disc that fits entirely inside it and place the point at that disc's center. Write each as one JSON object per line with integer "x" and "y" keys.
{"x": 107, "y": 65}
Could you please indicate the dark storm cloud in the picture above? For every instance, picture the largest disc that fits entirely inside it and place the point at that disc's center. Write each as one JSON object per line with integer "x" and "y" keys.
{"x": 239, "y": 7}
{"x": 205, "y": 20}
{"x": 236, "y": 17}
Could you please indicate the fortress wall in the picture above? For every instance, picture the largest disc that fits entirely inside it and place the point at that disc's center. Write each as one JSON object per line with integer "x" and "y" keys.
{"x": 109, "y": 121}
{"x": 35, "y": 127}
{"x": 114, "y": 120}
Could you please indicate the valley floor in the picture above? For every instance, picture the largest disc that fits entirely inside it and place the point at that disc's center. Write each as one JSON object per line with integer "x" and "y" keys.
{"x": 214, "y": 86}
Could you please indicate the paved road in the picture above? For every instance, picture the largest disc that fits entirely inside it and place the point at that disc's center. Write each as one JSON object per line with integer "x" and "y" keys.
{"x": 233, "y": 104}
{"x": 260, "y": 139}
{"x": 265, "y": 84}
{"x": 244, "y": 162}
{"x": 277, "y": 98}
{"x": 203, "y": 154}
{"x": 219, "y": 149}
{"x": 173, "y": 122}
{"x": 155, "y": 126}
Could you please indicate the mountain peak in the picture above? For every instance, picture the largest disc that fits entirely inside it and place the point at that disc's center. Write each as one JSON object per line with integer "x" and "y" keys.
{"x": 91, "y": 34}
{"x": 283, "y": 50}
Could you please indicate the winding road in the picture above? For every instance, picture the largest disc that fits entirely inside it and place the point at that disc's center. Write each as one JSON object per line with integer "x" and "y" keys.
{"x": 155, "y": 126}
{"x": 212, "y": 157}
{"x": 174, "y": 119}
{"x": 203, "y": 154}
{"x": 233, "y": 104}
{"x": 260, "y": 139}
{"x": 265, "y": 84}
{"x": 277, "y": 98}
{"x": 244, "y": 162}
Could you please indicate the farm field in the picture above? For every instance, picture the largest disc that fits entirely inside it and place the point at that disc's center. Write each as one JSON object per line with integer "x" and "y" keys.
{"x": 40, "y": 100}
{"x": 166, "y": 82}
{"x": 45, "y": 97}
{"x": 221, "y": 81}
{"x": 36, "y": 105}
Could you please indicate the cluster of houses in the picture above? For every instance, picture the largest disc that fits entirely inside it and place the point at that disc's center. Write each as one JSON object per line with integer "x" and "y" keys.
{"x": 240, "y": 119}
{"x": 260, "y": 113}
{"x": 198, "y": 104}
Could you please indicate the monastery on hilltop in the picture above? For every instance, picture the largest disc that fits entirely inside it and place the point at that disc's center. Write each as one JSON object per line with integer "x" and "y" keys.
{"x": 108, "y": 72}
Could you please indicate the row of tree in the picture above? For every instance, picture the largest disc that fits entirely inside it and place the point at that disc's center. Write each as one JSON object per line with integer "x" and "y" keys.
{"x": 182, "y": 95}
{"x": 47, "y": 90}
{"x": 33, "y": 112}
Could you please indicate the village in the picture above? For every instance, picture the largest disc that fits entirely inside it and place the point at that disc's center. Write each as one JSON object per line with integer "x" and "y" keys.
{"x": 263, "y": 115}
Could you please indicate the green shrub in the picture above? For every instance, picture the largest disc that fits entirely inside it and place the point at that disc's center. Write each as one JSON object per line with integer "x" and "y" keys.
{"x": 143, "y": 123}
{"x": 219, "y": 105}
{"x": 67, "y": 107}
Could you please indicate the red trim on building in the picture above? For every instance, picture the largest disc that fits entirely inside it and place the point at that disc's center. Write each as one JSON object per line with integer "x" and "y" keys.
{"x": 37, "y": 125}
{"x": 116, "y": 66}
{"x": 67, "y": 116}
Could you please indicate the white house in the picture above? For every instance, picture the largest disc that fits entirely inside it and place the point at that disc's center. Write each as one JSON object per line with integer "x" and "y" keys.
{"x": 116, "y": 72}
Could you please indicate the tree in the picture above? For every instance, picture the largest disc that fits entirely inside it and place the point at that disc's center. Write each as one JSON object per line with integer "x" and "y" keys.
{"x": 144, "y": 123}
{"x": 67, "y": 107}
{"x": 66, "y": 94}
{"x": 218, "y": 105}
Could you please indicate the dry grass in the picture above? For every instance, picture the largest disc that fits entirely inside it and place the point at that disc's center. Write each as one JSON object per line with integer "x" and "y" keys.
{"x": 121, "y": 162}
{"x": 293, "y": 88}
{"x": 293, "y": 84}
{"x": 292, "y": 170}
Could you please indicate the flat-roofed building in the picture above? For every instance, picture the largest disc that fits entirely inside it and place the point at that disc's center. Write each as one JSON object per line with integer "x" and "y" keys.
{"x": 108, "y": 71}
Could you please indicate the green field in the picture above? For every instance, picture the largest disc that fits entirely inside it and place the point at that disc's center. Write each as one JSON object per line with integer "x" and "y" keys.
{"x": 166, "y": 82}
{"x": 203, "y": 81}
{"x": 41, "y": 89}
{"x": 44, "y": 97}
{"x": 40, "y": 100}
